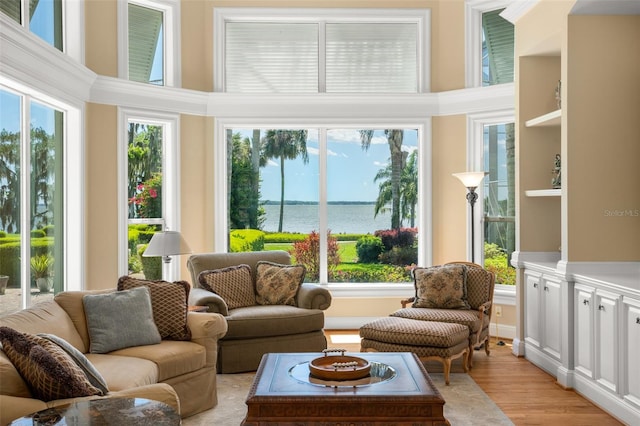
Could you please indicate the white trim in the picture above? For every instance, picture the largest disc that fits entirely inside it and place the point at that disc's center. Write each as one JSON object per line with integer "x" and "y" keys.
{"x": 422, "y": 17}
{"x": 517, "y": 9}
{"x": 73, "y": 29}
{"x": 172, "y": 75}
{"x": 170, "y": 179}
{"x": 40, "y": 67}
{"x": 473, "y": 37}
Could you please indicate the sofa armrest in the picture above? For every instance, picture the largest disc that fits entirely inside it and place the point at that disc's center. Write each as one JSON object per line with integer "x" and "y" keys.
{"x": 202, "y": 297}
{"x": 14, "y": 407}
{"x": 206, "y": 329}
{"x": 313, "y": 296}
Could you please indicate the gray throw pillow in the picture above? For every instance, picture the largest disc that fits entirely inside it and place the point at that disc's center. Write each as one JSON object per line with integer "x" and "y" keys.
{"x": 120, "y": 320}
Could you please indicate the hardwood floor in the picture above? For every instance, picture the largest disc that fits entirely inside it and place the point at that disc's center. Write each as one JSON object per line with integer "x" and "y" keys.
{"x": 524, "y": 392}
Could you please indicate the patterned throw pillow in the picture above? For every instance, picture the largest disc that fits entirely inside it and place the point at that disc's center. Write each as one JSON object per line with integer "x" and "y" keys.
{"x": 48, "y": 370}
{"x": 169, "y": 302}
{"x": 278, "y": 284}
{"x": 234, "y": 284}
{"x": 441, "y": 287}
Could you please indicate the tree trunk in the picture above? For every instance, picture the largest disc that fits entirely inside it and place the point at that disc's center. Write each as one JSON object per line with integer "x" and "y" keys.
{"x": 394, "y": 138}
{"x": 281, "y": 194}
{"x": 255, "y": 166}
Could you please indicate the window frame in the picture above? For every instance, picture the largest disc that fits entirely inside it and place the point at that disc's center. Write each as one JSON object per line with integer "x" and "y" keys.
{"x": 422, "y": 17}
{"x": 473, "y": 37}
{"x": 503, "y": 294}
{"x": 73, "y": 198}
{"x": 171, "y": 38}
{"x": 220, "y": 202}
{"x": 170, "y": 181}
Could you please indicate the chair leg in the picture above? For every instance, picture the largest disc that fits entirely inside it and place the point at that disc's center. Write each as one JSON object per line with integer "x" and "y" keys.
{"x": 486, "y": 346}
{"x": 446, "y": 362}
{"x": 470, "y": 357}
{"x": 465, "y": 357}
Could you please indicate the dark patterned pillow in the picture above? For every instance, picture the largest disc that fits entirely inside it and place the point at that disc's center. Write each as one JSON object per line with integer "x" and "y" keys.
{"x": 48, "y": 370}
{"x": 278, "y": 284}
{"x": 169, "y": 302}
{"x": 442, "y": 287}
{"x": 234, "y": 284}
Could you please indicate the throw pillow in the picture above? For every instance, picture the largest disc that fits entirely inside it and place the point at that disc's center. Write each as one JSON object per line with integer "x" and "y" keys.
{"x": 278, "y": 284}
{"x": 120, "y": 319}
{"x": 169, "y": 302}
{"x": 234, "y": 284}
{"x": 92, "y": 374}
{"x": 443, "y": 287}
{"x": 48, "y": 370}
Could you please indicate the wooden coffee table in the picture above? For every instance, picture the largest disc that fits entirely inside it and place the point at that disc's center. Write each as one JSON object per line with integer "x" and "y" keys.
{"x": 398, "y": 392}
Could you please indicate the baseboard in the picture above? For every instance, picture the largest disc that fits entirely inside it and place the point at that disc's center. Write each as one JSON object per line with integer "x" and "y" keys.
{"x": 502, "y": 331}
{"x": 604, "y": 399}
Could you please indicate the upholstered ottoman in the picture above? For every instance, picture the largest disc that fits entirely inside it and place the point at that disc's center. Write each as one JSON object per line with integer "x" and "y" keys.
{"x": 428, "y": 339}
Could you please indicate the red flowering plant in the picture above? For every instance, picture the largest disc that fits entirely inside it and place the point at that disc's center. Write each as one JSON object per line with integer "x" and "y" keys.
{"x": 307, "y": 253}
{"x": 148, "y": 199}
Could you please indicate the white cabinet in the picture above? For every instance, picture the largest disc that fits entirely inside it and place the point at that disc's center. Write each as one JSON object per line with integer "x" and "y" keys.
{"x": 583, "y": 334}
{"x": 631, "y": 351}
{"x": 543, "y": 316}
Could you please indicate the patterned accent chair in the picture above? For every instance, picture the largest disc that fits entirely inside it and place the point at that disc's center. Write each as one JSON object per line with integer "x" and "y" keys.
{"x": 480, "y": 287}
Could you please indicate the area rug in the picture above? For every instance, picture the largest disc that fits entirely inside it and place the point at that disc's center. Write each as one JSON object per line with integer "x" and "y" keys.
{"x": 465, "y": 402}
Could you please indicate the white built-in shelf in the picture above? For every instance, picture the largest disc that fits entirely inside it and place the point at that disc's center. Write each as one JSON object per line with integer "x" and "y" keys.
{"x": 543, "y": 193}
{"x": 548, "y": 120}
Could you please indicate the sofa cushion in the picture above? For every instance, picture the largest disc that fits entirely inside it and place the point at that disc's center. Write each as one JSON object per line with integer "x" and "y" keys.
{"x": 441, "y": 287}
{"x": 48, "y": 370}
{"x": 267, "y": 321}
{"x": 278, "y": 284}
{"x": 120, "y": 319}
{"x": 92, "y": 374}
{"x": 234, "y": 284}
{"x": 124, "y": 372}
{"x": 173, "y": 358}
{"x": 169, "y": 302}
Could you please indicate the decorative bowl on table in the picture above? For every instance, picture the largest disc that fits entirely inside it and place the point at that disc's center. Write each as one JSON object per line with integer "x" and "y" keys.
{"x": 339, "y": 367}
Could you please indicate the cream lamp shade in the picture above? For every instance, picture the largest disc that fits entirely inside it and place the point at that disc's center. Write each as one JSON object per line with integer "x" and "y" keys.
{"x": 166, "y": 244}
{"x": 470, "y": 179}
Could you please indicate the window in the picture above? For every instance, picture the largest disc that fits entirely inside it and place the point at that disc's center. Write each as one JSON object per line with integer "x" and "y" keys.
{"x": 311, "y": 51}
{"x": 345, "y": 202}
{"x": 44, "y": 18}
{"x": 149, "y": 185}
{"x": 489, "y": 44}
{"x": 32, "y": 219}
{"x": 149, "y": 46}
{"x": 499, "y": 200}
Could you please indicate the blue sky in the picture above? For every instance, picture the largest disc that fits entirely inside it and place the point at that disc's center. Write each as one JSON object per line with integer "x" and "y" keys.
{"x": 350, "y": 169}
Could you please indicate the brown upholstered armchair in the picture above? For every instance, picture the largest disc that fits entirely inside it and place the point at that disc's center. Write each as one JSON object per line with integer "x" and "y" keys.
{"x": 480, "y": 287}
{"x": 259, "y": 329}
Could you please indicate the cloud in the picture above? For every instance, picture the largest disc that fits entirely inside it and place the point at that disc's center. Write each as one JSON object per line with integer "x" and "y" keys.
{"x": 272, "y": 163}
{"x": 315, "y": 151}
{"x": 380, "y": 164}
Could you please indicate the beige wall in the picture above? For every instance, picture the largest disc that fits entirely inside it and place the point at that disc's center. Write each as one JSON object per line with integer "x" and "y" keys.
{"x": 197, "y": 183}
{"x": 603, "y": 138}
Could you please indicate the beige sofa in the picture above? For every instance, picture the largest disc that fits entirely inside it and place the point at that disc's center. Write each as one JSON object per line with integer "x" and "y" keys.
{"x": 179, "y": 373}
{"x": 257, "y": 330}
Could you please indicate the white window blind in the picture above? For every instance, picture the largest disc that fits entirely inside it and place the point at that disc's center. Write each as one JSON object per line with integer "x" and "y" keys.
{"x": 343, "y": 57}
{"x": 371, "y": 57}
{"x": 271, "y": 57}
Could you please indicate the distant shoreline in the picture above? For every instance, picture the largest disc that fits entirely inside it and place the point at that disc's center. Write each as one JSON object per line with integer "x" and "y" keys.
{"x": 315, "y": 203}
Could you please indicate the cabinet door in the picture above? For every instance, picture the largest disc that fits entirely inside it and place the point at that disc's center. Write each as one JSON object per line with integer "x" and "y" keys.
{"x": 631, "y": 368}
{"x": 532, "y": 308}
{"x": 583, "y": 311}
{"x": 606, "y": 340}
{"x": 552, "y": 318}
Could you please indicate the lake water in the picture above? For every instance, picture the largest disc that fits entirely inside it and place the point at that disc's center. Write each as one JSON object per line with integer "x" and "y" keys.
{"x": 343, "y": 218}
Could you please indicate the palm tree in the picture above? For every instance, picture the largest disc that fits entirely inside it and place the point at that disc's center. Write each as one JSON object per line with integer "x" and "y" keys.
{"x": 284, "y": 145}
{"x": 398, "y": 158}
{"x": 408, "y": 189}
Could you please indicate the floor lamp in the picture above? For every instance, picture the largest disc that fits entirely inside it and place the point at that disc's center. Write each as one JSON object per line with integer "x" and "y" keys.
{"x": 165, "y": 244}
{"x": 471, "y": 180}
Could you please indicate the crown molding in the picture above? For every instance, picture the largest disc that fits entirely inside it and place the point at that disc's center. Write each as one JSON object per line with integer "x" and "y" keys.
{"x": 130, "y": 94}
{"x": 31, "y": 62}
{"x": 476, "y": 100}
{"x": 517, "y": 9}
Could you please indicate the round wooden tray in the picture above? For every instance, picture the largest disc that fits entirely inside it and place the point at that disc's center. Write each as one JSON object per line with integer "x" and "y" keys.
{"x": 339, "y": 367}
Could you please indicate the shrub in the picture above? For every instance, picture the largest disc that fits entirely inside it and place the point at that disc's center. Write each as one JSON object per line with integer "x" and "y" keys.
{"x": 307, "y": 253}
{"x": 151, "y": 266}
{"x": 242, "y": 240}
{"x": 492, "y": 251}
{"x": 38, "y": 233}
{"x": 49, "y": 230}
{"x": 283, "y": 237}
{"x": 505, "y": 274}
{"x": 369, "y": 249}
{"x": 3, "y": 234}
{"x": 368, "y": 274}
{"x": 403, "y": 237}
{"x": 400, "y": 256}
